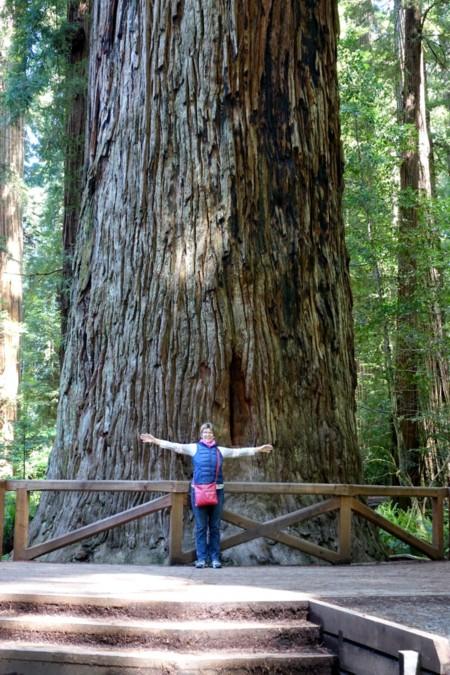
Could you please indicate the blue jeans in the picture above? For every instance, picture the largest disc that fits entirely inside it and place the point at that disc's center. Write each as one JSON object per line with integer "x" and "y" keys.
{"x": 207, "y": 528}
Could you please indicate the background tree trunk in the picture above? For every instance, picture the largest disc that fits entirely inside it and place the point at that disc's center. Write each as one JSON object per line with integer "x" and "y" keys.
{"x": 409, "y": 353}
{"x": 11, "y": 171}
{"x": 211, "y": 276}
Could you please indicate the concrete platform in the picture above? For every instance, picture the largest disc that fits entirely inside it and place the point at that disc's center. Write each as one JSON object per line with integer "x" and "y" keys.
{"x": 416, "y": 594}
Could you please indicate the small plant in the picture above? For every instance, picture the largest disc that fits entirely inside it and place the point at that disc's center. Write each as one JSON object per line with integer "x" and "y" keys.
{"x": 414, "y": 520}
{"x": 10, "y": 515}
{"x": 10, "y": 512}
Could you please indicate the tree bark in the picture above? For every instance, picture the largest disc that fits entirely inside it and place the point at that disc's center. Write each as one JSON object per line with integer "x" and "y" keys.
{"x": 11, "y": 170}
{"x": 409, "y": 352}
{"x": 211, "y": 276}
{"x": 74, "y": 165}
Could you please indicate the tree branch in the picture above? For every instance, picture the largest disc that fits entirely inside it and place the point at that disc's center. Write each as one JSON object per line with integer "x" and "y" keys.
{"x": 426, "y": 12}
{"x": 437, "y": 58}
{"x": 35, "y": 274}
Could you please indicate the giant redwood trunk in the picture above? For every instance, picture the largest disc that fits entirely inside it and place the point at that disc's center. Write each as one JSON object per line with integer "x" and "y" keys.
{"x": 78, "y": 19}
{"x": 11, "y": 169}
{"x": 211, "y": 276}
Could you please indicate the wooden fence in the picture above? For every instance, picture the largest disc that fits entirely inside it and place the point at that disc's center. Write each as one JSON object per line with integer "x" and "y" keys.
{"x": 345, "y": 500}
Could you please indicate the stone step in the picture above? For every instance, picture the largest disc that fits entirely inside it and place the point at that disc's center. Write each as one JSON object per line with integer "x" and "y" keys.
{"x": 13, "y": 604}
{"x": 36, "y": 659}
{"x": 175, "y": 635}
{"x": 44, "y": 634}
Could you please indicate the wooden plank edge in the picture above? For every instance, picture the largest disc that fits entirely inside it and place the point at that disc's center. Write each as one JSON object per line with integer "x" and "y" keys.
{"x": 337, "y": 489}
{"x": 98, "y": 485}
{"x": 381, "y": 635}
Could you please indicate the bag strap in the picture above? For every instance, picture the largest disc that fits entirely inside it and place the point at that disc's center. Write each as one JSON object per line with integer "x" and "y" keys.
{"x": 217, "y": 464}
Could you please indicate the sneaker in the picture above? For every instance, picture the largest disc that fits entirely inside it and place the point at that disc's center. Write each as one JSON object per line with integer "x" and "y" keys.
{"x": 216, "y": 564}
{"x": 200, "y": 564}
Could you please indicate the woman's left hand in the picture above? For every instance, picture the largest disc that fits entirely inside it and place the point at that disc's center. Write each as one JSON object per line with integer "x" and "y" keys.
{"x": 265, "y": 448}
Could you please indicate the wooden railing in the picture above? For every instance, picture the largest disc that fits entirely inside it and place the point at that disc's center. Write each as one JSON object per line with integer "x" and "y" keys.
{"x": 345, "y": 500}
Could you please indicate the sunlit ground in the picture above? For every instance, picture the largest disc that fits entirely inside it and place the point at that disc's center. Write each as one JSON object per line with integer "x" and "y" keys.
{"x": 232, "y": 583}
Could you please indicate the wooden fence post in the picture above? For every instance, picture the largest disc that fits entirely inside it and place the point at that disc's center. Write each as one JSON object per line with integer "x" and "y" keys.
{"x": 438, "y": 524}
{"x": 409, "y": 662}
{"x": 345, "y": 529}
{"x": 2, "y": 515}
{"x": 176, "y": 527}
{"x": 21, "y": 523}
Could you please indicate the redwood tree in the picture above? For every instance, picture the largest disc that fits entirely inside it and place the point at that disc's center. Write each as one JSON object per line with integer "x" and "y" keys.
{"x": 78, "y": 20}
{"x": 210, "y": 273}
{"x": 11, "y": 170}
{"x": 422, "y": 378}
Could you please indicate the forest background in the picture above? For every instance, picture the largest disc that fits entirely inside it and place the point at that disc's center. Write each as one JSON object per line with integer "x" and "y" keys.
{"x": 400, "y": 281}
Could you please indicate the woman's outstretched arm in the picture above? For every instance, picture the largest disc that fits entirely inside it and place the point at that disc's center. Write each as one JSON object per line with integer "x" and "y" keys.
{"x": 244, "y": 452}
{"x": 181, "y": 448}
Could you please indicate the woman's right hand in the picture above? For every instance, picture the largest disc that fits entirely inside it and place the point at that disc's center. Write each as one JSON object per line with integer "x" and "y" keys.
{"x": 149, "y": 438}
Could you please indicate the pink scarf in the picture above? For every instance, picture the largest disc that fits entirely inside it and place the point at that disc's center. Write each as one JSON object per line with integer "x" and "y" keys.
{"x": 210, "y": 443}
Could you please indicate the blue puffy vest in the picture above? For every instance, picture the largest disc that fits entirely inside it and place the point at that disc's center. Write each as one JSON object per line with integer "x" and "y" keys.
{"x": 204, "y": 462}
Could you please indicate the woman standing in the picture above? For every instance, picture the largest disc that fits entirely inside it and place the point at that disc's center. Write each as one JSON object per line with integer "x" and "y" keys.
{"x": 207, "y": 460}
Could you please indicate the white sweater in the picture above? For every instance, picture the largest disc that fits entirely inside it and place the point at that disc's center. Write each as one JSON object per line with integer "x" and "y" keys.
{"x": 191, "y": 448}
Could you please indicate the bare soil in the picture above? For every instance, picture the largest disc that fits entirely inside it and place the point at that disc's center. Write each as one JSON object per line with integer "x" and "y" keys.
{"x": 163, "y": 612}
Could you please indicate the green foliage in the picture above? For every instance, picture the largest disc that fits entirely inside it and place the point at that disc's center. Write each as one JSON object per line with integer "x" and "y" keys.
{"x": 371, "y": 138}
{"x": 10, "y": 514}
{"x": 40, "y": 348}
{"x": 373, "y": 142}
{"x": 412, "y": 520}
{"x": 36, "y": 88}
{"x": 39, "y": 46}
{"x": 38, "y": 391}
{"x": 437, "y": 54}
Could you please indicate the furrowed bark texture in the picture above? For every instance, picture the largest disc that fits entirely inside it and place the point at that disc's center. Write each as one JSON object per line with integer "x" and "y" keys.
{"x": 74, "y": 165}
{"x": 11, "y": 170}
{"x": 211, "y": 276}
